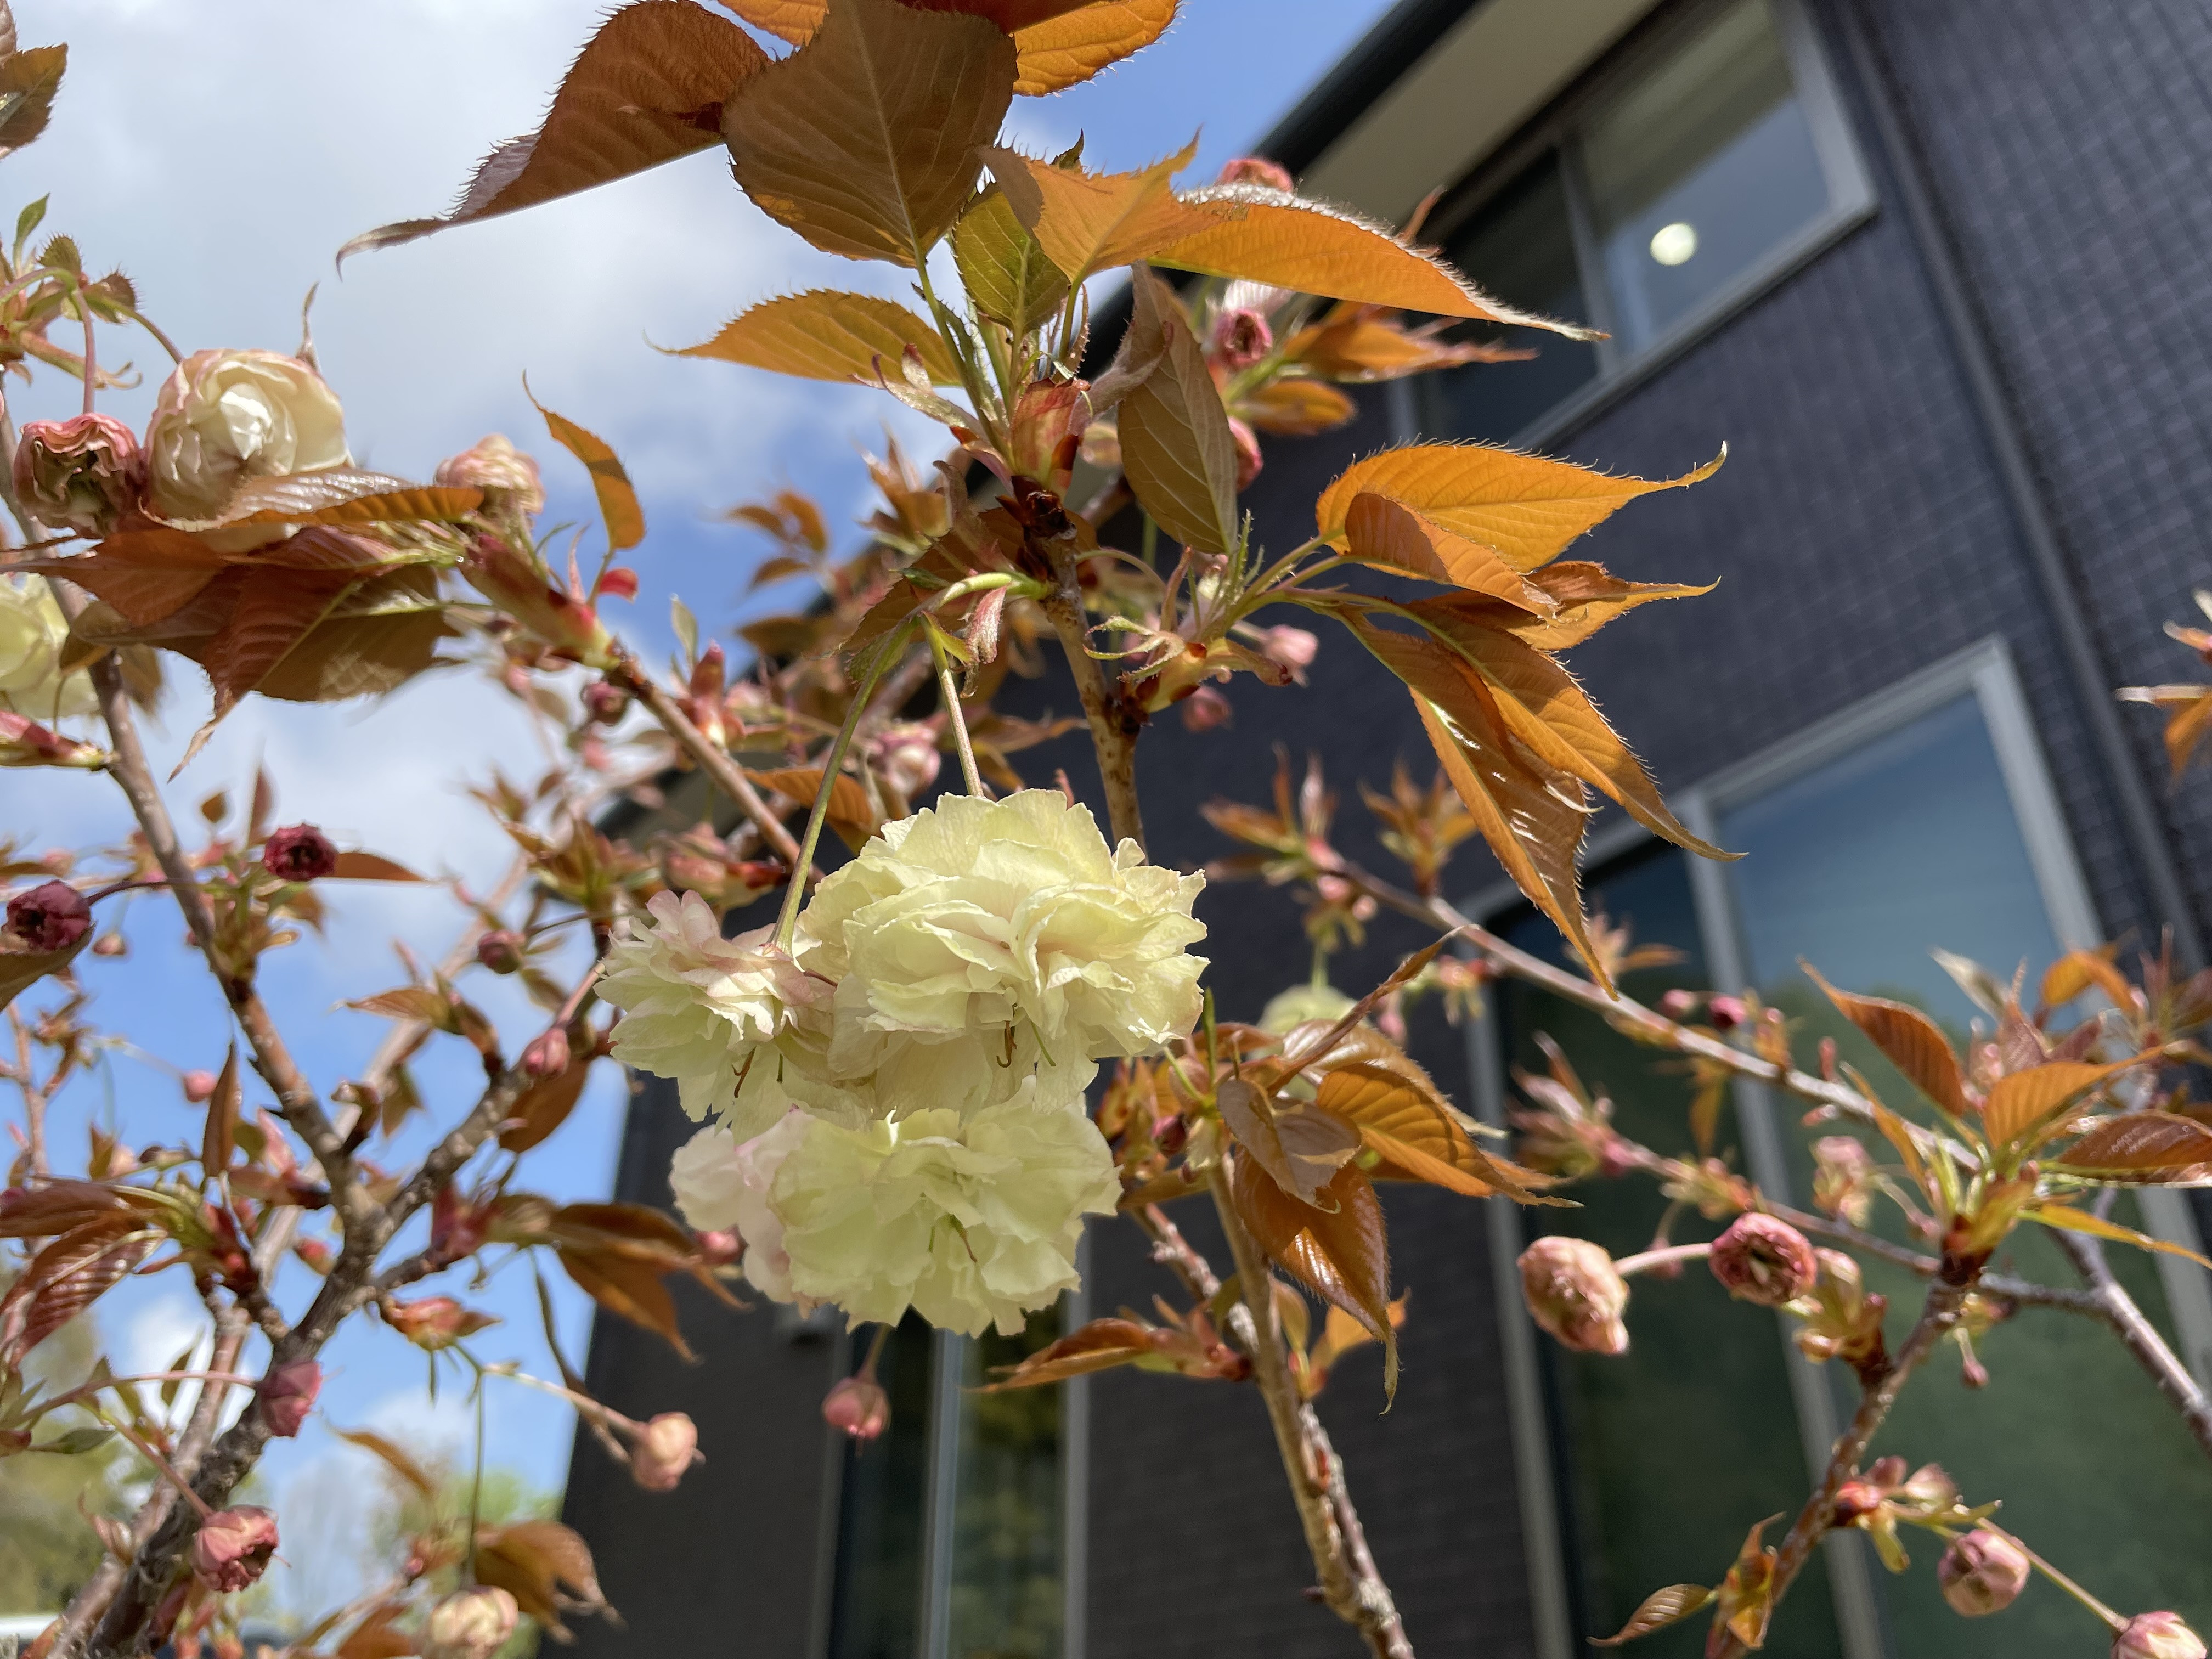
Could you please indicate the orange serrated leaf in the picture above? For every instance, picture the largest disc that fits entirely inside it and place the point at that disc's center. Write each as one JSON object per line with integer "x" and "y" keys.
{"x": 1416, "y": 1135}
{"x": 1912, "y": 1042}
{"x": 2142, "y": 1147}
{"x": 1525, "y": 508}
{"x": 864, "y": 140}
{"x": 850, "y": 815}
{"x": 2077, "y": 1221}
{"x": 1090, "y": 221}
{"x": 618, "y": 507}
{"x": 1381, "y": 532}
{"x": 1176, "y": 447}
{"x": 822, "y": 335}
{"x": 1263, "y": 235}
{"x": 1062, "y": 50}
{"x": 1296, "y": 408}
{"x": 625, "y": 1286}
{"x": 1302, "y": 1147}
{"x": 1659, "y": 1610}
{"x": 2023, "y": 1104}
{"x": 646, "y": 89}
{"x": 1342, "y": 1254}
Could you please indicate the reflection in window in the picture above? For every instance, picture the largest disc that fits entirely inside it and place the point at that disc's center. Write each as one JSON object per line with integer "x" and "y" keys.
{"x": 1655, "y": 203}
{"x": 1004, "y": 1594}
{"x": 1665, "y": 1454}
{"x": 951, "y": 1527}
{"x": 1521, "y": 250}
{"x": 875, "y": 1605}
{"x": 1697, "y": 171}
{"x": 1857, "y": 868}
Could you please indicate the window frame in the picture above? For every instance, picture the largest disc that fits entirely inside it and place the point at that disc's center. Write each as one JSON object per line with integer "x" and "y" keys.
{"x": 1985, "y": 671}
{"x": 1851, "y": 203}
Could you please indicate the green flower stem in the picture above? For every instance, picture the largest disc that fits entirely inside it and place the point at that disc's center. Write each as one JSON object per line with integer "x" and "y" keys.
{"x": 950, "y": 693}
{"x": 794, "y": 895}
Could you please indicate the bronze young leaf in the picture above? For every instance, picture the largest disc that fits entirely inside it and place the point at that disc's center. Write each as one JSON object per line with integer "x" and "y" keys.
{"x": 1525, "y": 508}
{"x": 1912, "y": 1042}
{"x": 1089, "y": 221}
{"x": 822, "y": 335}
{"x": 2142, "y": 1148}
{"x": 1176, "y": 447}
{"x": 648, "y": 88}
{"x": 864, "y": 140}
{"x": 1262, "y": 235}
{"x": 1341, "y": 1254}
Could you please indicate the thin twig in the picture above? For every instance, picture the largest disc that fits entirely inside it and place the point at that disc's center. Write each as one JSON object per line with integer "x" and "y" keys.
{"x": 711, "y": 758}
{"x": 1937, "y": 1316}
{"x": 2136, "y": 1334}
{"x": 1349, "y": 1584}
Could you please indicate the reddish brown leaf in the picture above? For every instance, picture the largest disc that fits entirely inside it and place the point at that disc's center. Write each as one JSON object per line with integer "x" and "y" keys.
{"x": 67, "y": 1277}
{"x": 1416, "y": 1134}
{"x": 648, "y": 87}
{"x": 1914, "y": 1043}
{"x": 628, "y": 1287}
{"x": 1301, "y": 1145}
{"x": 1176, "y": 447}
{"x": 546, "y": 1566}
{"x": 864, "y": 140}
{"x": 1660, "y": 1609}
{"x": 850, "y": 815}
{"x": 1058, "y": 42}
{"x": 28, "y": 81}
{"x": 147, "y": 576}
{"x": 2024, "y": 1106}
{"x": 1343, "y": 1254}
{"x": 543, "y": 1107}
{"x": 1090, "y": 221}
{"x": 371, "y": 867}
{"x": 2143, "y": 1147}
{"x": 1381, "y": 532}
{"x": 618, "y": 507}
{"x": 55, "y": 1207}
{"x": 377, "y": 1636}
{"x": 1296, "y": 408}
{"x": 346, "y": 496}
{"x": 222, "y": 1116}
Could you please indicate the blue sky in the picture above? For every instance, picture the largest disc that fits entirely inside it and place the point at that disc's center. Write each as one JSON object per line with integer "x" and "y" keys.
{"x": 219, "y": 155}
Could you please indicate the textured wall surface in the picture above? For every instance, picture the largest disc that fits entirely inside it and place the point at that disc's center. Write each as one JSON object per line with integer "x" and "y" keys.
{"x": 726, "y": 1563}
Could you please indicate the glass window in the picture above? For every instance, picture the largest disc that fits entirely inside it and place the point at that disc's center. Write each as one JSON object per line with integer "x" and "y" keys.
{"x": 1697, "y": 171}
{"x": 1659, "y": 196}
{"x": 1521, "y": 250}
{"x": 1665, "y": 1454}
{"x": 983, "y": 1577}
{"x": 1857, "y": 868}
{"x": 876, "y": 1586}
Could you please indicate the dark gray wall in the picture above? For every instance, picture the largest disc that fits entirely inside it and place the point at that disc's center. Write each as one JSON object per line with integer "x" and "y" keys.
{"x": 724, "y": 1566}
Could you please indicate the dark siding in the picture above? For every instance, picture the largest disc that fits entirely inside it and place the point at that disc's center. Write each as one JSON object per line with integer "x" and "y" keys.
{"x": 724, "y": 1567}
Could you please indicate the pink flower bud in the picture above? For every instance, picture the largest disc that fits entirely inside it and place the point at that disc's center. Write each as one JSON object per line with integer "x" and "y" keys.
{"x": 470, "y": 1624}
{"x": 82, "y": 474}
{"x": 604, "y": 703}
{"x": 548, "y": 1053}
{"x": 52, "y": 916}
{"x": 905, "y": 754}
{"x": 1574, "y": 1292}
{"x": 1205, "y": 708}
{"x": 667, "y": 1447}
{"x": 1258, "y": 170}
{"x": 288, "y": 1394}
{"x": 507, "y": 478}
{"x": 1763, "y": 1261}
{"x": 1678, "y": 1003}
{"x": 2158, "y": 1635}
{"x": 1294, "y": 647}
{"x": 233, "y": 1547}
{"x": 1856, "y": 1499}
{"x": 110, "y": 944}
{"x": 199, "y": 1087}
{"x": 720, "y": 1248}
{"x": 432, "y": 1322}
{"x": 1981, "y": 1573}
{"x": 859, "y": 1407}
{"x": 617, "y": 581}
{"x": 298, "y": 851}
{"x": 1248, "y": 458}
{"x": 1727, "y": 1013}
{"x": 1242, "y": 337}
{"x": 501, "y": 951}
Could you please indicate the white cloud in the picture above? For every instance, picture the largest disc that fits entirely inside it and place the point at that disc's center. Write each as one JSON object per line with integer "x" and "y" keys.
{"x": 429, "y": 1431}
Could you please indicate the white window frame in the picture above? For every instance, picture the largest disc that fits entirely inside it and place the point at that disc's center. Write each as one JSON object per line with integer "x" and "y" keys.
{"x": 1985, "y": 671}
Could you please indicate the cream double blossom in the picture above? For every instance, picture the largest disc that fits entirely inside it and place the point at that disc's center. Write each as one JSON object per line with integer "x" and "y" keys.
{"x": 902, "y": 1094}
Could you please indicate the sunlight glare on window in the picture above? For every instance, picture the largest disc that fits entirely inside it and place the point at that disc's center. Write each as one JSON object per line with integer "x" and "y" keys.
{"x": 1674, "y": 244}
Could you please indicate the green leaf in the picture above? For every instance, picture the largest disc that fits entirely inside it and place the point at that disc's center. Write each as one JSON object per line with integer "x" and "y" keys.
{"x": 1002, "y": 267}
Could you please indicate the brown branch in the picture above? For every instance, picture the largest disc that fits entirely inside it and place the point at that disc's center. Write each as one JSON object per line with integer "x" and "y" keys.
{"x": 2107, "y": 1299}
{"x": 710, "y": 757}
{"x": 296, "y": 1099}
{"x": 98, "y": 1592}
{"x": 1349, "y": 1584}
{"x": 1937, "y": 1316}
{"x": 2119, "y": 1309}
{"x": 1113, "y": 735}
